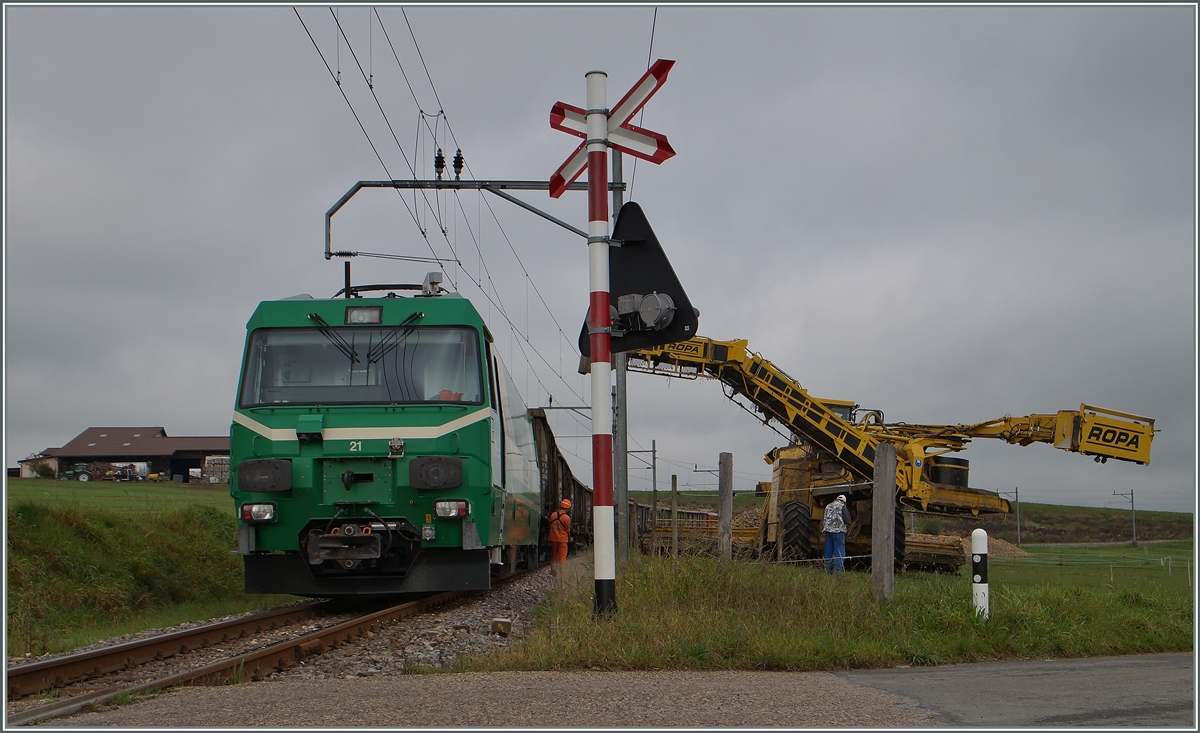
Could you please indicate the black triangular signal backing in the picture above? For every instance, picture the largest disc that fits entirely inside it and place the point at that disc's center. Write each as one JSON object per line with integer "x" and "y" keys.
{"x": 636, "y": 269}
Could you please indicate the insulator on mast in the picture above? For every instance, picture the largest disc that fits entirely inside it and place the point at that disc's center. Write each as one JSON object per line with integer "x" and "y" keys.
{"x": 458, "y": 164}
{"x": 439, "y": 163}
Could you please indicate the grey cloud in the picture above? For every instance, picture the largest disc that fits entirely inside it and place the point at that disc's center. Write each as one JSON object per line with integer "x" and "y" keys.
{"x": 999, "y": 201}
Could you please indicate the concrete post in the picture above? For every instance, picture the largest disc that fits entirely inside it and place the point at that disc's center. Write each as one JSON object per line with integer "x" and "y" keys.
{"x": 1017, "y": 499}
{"x": 621, "y": 416}
{"x": 1133, "y": 512}
{"x": 883, "y": 522}
{"x": 621, "y": 460}
{"x": 725, "y": 505}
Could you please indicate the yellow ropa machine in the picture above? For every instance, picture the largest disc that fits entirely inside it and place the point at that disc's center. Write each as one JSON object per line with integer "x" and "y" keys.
{"x": 834, "y": 444}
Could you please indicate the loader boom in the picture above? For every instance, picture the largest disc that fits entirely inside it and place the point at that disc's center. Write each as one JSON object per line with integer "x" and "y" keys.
{"x": 834, "y": 453}
{"x": 1094, "y": 431}
{"x": 772, "y": 391}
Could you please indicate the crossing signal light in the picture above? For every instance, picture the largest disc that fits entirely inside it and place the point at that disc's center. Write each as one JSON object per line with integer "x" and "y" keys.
{"x": 648, "y": 305}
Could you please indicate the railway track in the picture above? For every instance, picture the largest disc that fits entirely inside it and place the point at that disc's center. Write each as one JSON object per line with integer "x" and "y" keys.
{"x": 65, "y": 672}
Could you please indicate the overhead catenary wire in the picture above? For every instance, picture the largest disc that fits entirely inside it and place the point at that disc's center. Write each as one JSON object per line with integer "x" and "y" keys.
{"x": 642, "y": 114}
{"x": 450, "y": 130}
{"x": 493, "y": 297}
{"x": 338, "y": 81}
{"x": 454, "y": 138}
{"x": 388, "y": 122}
{"x": 496, "y": 301}
{"x": 529, "y": 280}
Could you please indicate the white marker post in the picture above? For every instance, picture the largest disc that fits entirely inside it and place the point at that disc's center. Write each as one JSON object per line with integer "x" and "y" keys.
{"x": 979, "y": 580}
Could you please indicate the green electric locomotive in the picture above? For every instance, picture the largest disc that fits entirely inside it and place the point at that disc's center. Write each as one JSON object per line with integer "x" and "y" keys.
{"x": 379, "y": 446}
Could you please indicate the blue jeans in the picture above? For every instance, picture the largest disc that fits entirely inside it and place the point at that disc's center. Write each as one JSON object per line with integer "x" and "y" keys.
{"x": 835, "y": 551}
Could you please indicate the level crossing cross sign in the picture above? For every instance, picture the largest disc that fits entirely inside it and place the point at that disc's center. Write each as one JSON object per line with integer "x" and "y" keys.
{"x": 601, "y": 127}
{"x": 628, "y": 138}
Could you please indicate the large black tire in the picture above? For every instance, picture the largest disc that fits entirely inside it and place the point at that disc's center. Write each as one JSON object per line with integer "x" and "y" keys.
{"x": 797, "y": 531}
{"x": 899, "y": 540}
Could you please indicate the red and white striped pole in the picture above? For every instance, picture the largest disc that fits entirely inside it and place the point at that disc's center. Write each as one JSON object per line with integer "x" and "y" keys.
{"x": 600, "y": 331}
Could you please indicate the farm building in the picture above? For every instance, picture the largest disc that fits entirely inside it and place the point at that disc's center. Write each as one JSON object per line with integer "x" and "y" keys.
{"x": 151, "y": 446}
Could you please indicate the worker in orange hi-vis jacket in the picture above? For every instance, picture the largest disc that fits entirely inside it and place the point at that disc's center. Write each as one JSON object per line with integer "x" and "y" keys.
{"x": 560, "y": 534}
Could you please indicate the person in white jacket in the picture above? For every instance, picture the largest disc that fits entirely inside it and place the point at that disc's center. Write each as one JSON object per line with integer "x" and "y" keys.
{"x": 837, "y": 518}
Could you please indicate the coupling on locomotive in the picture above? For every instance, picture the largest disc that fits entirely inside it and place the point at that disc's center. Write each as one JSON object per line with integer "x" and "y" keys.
{"x": 380, "y": 446}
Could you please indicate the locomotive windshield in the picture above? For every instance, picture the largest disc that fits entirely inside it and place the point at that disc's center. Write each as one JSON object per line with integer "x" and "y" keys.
{"x": 322, "y": 366}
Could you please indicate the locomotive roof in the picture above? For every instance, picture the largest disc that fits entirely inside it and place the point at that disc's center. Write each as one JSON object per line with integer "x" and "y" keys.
{"x": 450, "y": 309}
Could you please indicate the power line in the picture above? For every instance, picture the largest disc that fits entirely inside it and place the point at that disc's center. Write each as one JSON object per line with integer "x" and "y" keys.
{"x": 494, "y": 298}
{"x": 388, "y": 122}
{"x": 642, "y": 114}
{"x": 497, "y": 301}
{"x": 495, "y": 218}
{"x": 450, "y": 130}
{"x": 338, "y": 81}
{"x": 426, "y": 66}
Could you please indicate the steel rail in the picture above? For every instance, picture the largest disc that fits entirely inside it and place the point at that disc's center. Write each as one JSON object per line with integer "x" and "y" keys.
{"x": 251, "y": 666}
{"x": 28, "y": 679}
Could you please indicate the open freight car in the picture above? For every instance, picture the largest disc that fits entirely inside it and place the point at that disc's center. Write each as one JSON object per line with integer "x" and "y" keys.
{"x": 379, "y": 446}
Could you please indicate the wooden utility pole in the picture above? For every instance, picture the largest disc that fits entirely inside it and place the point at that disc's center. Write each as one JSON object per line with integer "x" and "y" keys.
{"x": 883, "y": 522}
{"x": 725, "y": 505}
{"x": 674, "y": 515}
{"x": 654, "y": 499}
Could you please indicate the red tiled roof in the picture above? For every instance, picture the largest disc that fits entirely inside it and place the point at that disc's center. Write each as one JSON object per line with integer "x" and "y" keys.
{"x": 126, "y": 442}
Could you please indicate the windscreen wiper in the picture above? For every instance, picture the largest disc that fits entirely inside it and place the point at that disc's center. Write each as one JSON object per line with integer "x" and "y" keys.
{"x": 335, "y": 338}
{"x": 392, "y": 339}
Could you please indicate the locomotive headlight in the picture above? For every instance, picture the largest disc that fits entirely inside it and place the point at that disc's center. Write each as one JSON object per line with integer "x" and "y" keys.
{"x": 258, "y": 512}
{"x": 357, "y": 314}
{"x": 451, "y": 509}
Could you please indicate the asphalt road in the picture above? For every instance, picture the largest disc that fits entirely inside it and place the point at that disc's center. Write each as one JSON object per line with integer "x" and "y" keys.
{"x": 1150, "y": 690}
{"x": 1154, "y": 690}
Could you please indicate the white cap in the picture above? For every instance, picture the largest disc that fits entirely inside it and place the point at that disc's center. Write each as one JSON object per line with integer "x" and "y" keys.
{"x": 841, "y": 497}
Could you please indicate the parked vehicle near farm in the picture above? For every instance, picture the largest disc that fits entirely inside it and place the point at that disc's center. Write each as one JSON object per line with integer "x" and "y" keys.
{"x": 77, "y": 472}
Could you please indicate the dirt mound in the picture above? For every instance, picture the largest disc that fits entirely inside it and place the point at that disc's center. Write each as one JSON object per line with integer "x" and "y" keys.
{"x": 749, "y": 519}
{"x": 996, "y": 548}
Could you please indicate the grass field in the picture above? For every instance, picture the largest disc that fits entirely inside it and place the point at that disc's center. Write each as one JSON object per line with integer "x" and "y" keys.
{"x": 696, "y": 612}
{"x": 95, "y": 560}
{"x": 1040, "y": 523}
{"x": 742, "y": 500}
{"x": 1054, "y": 523}
{"x": 89, "y": 561}
{"x": 1166, "y": 566}
{"x": 118, "y": 496}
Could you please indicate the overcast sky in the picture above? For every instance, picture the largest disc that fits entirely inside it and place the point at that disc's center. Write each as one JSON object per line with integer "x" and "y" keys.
{"x": 948, "y": 214}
